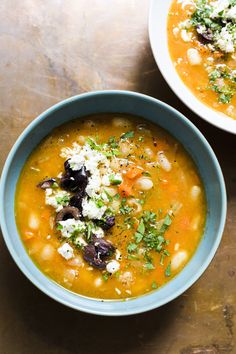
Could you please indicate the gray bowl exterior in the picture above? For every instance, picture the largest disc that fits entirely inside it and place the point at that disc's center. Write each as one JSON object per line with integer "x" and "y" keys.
{"x": 157, "y": 112}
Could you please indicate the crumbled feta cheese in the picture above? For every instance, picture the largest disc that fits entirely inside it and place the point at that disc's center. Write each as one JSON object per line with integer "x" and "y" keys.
{"x": 113, "y": 266}
{"x": 66, "y": 251}
{"x": 98, "y": 232}
{"x": 84, "y": 156}
{"x": 106, "y": 180}
{"x": 94, "y": 185}
{"x": 91, "y": 210}
{"x": 218, "y": 7}
{"x": 186, "y": 36}
{"x": 79, "y": 241}
{"x": 57, "y": 199}
{"x": 69, "y": 226}
{"x": 225, "y": 41}
{"x": 231, "y": 13}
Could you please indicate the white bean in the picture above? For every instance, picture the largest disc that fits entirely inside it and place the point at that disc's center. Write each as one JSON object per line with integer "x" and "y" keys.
{"x": 125, "y": 148}
{"x": 163, "y": 161}
{"x": 76, "y": 261}
{"x": 195, "y": 192}
{"x": 120, "y": 122}
{"x": 33, "y": 221}
{"x": 118, "y": 291}
{"x": 176, "y": 248}
{"x": 149, "y": 152}
{"x": 126, "y": 278}
{"x": 113, "y": 266}
{"x": 195, "y": 223}
{"x": 98, "y": 282}
{"x": 47, "y": 252}
{"x": 137, "y": 206}
{"x": 69, "y": 275}
{"x": 144, "y": 183}
{"x": 81, "y": 139}
{"x": 194, "y": 57}
{"x": 178, "y": 259}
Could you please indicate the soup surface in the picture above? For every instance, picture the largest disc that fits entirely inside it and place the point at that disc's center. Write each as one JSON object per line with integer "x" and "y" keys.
{"x": 202, "y": 43}
{"x": 110, "y": 206}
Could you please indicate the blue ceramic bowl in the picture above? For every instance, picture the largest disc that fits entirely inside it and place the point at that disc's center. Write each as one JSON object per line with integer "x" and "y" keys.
{"x": 157, "y": 112}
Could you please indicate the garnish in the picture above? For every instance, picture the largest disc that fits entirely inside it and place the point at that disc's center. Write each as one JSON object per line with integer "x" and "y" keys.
{"x": 127, "y": 135}
{"x": 168, "y": 270}
{"x": 149, "y": 266}
{"x": 154, "y": 285}
{"x": 63, "y": 200}
{"x": 115, "y": 180}
{"x": 222, "y": 80}
{"x": 131, "y": 247}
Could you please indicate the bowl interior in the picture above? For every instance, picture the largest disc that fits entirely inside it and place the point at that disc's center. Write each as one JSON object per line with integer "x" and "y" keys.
{"x": 157, "y": 112}
{"x": 158, "y": 17}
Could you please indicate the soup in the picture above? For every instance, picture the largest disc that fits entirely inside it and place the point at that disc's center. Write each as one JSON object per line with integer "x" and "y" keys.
{"x": 202, "y": 43}
{"x": 110, "y": 207}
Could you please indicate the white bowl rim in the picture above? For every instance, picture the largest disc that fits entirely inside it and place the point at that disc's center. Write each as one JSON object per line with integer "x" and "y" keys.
{"x": 159, "y": 44}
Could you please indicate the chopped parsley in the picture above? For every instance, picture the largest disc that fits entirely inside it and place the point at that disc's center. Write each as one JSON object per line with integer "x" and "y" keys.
{"x": 168, "y": 270}
{"x": 105, "y": 276}
{"x": 154, "y": 285}
{"x": 149, "y": 266}
{"x": 63, "y": 200}
{"x": 147, "y": 174}
{"x": 127, "y": 135}
{"x": 131, "y": 247}
{"x": 115, "y": 180}
{"x": 222, "y": 80}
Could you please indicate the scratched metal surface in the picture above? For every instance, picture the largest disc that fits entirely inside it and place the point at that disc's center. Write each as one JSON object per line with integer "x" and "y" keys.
{"x": 54, "y": 49}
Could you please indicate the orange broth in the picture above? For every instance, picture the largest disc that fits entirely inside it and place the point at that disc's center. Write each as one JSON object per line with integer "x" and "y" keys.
{"x": 177, "y": 196}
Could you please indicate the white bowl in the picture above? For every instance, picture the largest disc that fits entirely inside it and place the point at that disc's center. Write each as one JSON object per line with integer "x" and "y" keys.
{"x": 158, "y": 16}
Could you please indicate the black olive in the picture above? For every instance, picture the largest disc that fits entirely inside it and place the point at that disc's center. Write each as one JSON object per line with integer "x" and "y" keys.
{"x": 107, "y": 223}
{"x": 68, "y": 212}
{"x": 206, "y": 36}
{"x": 76, "y": 200}
{"x": 105, "y": 248}
{"x": 90, "y": 255}
{"x": 47, "y": 183}
{"x": 96, "y": 252}
{"x": 74, "y": 181}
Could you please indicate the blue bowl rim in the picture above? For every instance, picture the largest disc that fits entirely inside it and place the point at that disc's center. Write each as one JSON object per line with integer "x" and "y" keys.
{"x": 146, "y": 98}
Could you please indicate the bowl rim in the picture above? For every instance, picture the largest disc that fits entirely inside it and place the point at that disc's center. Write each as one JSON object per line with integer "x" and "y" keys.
{"x": 159, "y": 46}
{"x": 99, "y": 311}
